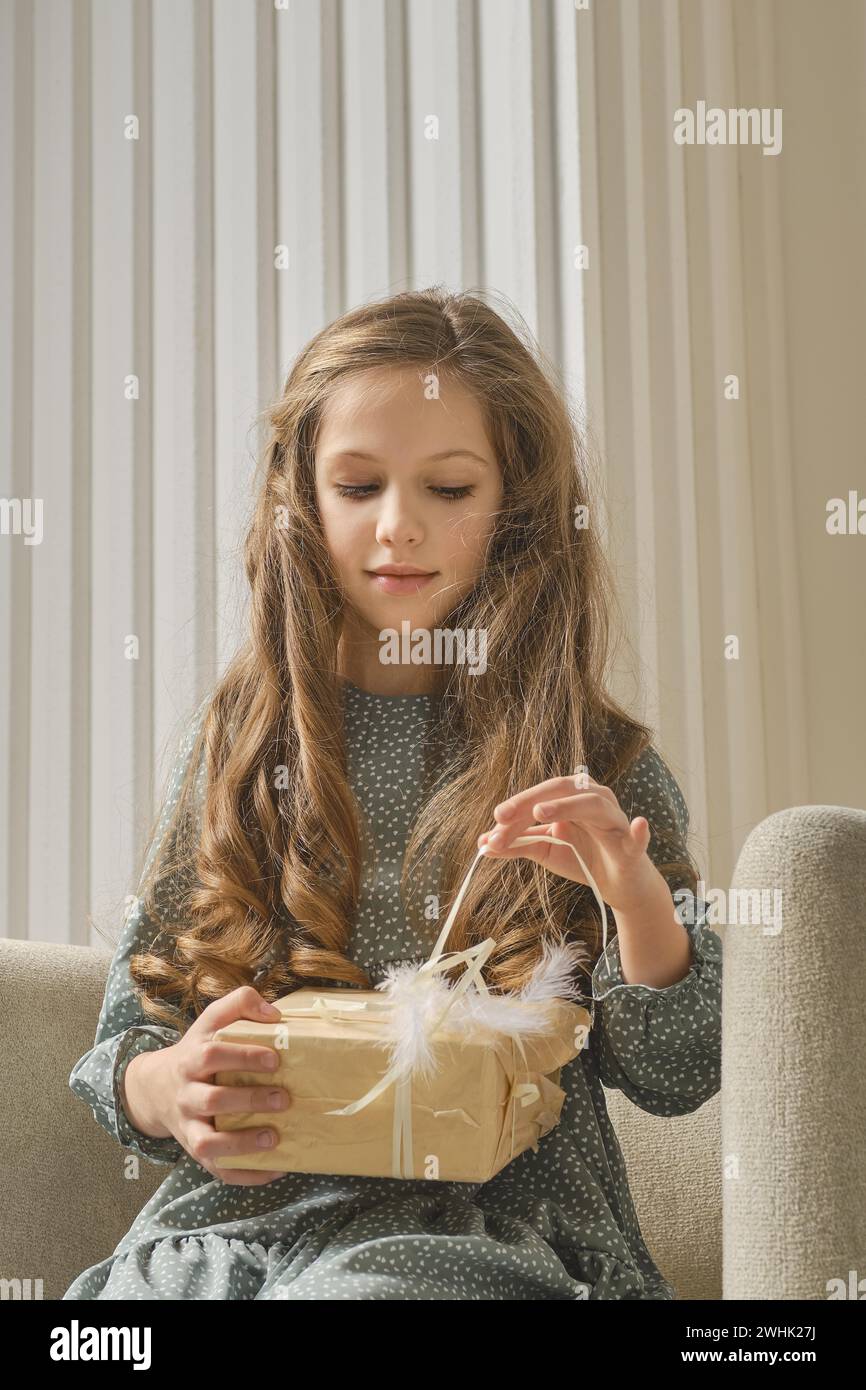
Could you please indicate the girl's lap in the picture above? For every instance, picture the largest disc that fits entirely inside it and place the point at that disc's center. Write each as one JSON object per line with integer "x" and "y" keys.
{"x": 402, "y": 1249}
{"x": 187, "y": 1267}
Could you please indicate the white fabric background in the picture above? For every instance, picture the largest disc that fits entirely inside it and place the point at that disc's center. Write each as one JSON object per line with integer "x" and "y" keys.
{"x": 304, "y": 127}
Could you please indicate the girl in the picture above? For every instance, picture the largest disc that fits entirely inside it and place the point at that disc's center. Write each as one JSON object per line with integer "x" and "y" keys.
{"x": 324, "y": 808}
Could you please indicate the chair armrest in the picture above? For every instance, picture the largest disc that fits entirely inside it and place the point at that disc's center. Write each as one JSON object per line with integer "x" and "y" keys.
{"x": 793, "y": 1053}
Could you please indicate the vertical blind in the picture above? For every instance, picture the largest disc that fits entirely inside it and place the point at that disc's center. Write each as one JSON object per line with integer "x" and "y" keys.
{"x": 194, "y": 188}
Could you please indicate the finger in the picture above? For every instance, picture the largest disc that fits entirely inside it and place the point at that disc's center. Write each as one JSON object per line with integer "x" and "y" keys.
{"x": 555, "y": 786}
{"x": 640, "y": 832}
{"x": 208, "y": 1145}
{"x": 251, "y": 1177}
{"x": 489, "y": 838}
{"x": 201, "y": 1099}
{"x": 587, "y": 808}
{"x": 214, "y": 1056}
{"x": 539, "y": 852}
{"x": 544, "y": 791}
{"x": 244, "y": 1002}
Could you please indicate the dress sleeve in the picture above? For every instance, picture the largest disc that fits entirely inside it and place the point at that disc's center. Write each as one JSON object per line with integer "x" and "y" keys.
{"x": 123, "y": 1030}
{"x": 662, "y": 1047}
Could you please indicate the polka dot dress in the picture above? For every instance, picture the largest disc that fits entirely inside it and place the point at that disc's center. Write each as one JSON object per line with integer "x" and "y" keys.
{"x": 556, "y": 1223}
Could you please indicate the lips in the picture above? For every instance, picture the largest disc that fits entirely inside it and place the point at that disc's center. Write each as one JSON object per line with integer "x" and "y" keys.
{"x": 403, "y": 582}
{"x": 401, "y": 570}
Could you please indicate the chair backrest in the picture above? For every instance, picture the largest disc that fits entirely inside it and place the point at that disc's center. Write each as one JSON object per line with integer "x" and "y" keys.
{"x": 69, "y": 1191}
{"x": 675, "y": 1175}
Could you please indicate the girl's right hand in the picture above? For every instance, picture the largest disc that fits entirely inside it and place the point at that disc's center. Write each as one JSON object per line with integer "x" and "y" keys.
{"x": 189, "y": 1099}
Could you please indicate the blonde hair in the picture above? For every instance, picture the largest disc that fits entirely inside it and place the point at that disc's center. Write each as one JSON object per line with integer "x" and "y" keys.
{"x": 271, "y": 857}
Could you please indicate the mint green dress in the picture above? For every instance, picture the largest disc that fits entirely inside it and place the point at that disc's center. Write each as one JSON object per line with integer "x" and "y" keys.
{"x": 556, "y": 1223}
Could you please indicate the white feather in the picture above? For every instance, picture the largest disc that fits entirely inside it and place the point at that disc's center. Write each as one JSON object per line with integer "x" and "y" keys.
{"x": 418, "y": 1000}
{"x": 553, "y": 976}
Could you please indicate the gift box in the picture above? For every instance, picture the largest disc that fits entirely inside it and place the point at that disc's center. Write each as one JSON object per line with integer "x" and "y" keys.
{"x": 420, "y": 1078}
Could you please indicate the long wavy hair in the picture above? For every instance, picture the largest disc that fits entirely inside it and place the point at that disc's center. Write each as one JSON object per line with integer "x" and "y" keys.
{"x": 265, "y": 846}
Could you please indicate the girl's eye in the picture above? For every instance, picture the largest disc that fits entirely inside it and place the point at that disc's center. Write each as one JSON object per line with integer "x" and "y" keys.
{"x": 449, "y": 494}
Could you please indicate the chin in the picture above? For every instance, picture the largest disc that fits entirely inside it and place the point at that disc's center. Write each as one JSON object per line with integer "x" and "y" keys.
{"x": 392, "y": 615}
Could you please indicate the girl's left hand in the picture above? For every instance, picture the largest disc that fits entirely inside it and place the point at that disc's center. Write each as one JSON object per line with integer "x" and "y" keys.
{"x": 588, "y": 816}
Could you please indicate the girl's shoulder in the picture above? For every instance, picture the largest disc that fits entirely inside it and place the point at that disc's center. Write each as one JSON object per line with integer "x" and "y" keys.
{"x": 182, "y": 746}
{"x": 652, "y": 790}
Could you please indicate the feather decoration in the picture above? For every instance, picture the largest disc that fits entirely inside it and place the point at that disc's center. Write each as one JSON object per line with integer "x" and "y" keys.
{"x": 418, "y": 1000}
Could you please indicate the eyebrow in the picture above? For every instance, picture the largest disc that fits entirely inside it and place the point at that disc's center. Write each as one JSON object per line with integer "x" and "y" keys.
{"x": 434, "y": 458}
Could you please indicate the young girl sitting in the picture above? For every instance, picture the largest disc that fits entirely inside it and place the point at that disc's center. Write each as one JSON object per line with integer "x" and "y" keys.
{"x": 423, "y": 470}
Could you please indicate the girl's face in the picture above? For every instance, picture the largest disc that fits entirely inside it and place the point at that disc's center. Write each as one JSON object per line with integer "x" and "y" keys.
{"x": 403, "y": 481}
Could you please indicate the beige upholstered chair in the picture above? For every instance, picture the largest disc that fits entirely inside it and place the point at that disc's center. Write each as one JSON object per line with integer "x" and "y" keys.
{"x": 759, "y": 1194}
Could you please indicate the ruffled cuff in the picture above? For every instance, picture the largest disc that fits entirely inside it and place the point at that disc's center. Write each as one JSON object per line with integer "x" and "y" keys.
{"x": 607, "y": 975}
{"x": 662, "y": 1046}
{"x": 141, "y": 1038}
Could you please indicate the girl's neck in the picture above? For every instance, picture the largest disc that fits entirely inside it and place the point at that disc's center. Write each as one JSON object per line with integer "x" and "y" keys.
{"x": 394, "y": 681}
{"x": 359, "y": 664}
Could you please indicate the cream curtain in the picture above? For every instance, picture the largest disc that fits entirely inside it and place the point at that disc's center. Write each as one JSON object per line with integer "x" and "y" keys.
{"x": 192, "y": 189}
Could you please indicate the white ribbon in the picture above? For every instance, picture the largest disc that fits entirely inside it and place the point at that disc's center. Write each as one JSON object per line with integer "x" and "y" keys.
{"x": 440, "y": 960}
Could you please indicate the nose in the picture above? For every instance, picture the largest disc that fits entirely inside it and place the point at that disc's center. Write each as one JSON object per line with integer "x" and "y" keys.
{"x": 397, "y": 524}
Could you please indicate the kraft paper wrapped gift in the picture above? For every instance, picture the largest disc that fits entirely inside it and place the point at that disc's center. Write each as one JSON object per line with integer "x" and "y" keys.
{"x": 418, "y": 1079}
